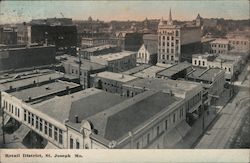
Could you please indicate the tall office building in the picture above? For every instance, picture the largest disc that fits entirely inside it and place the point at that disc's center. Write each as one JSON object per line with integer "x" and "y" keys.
{"x": 177, "y": 43}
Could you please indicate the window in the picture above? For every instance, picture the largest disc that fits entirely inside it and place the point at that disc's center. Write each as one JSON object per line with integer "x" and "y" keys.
{"x": 12, "y": 109}
{"x": 199, "y": 63}
{"x": 172, "y": 50}
{"x": 50, "y": 130}
{"x": 148, "y": 138}
{"x": 166, "y": 124}
{"x": 77, "y": 144}
{"x": 176, "y": 33}
{"x": 195, "y": 62}
{"x": 71, "y": 143}
{"x": 45, "y": 127}
{"x": 229, "y": 69}
{"x": 172, "y": 58}
{"x": 163, "y": 37}
{"x": 41, "y": 125}
{"x": 55, "y": 133}
{"x": 18, "y": 112}
{"x": 15, "y": 111}
{"x": 167, "y": 57}
{"x": 168, "y": 38}
{"x": 37, "y": 122}
{"x": 203, "y": 63}
{"x": 174, "y": 118}
{"x": 32, "y": 119}
{"x": 25, "y": 115}
{"x": 158, "y": 130}
{"x": 29, "y": 117}
{"x": 60, "y": 136}
{"x": 172, "y": 44}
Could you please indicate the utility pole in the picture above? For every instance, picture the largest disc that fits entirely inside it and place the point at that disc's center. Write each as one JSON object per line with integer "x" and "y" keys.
{"x": 80, "y": 64}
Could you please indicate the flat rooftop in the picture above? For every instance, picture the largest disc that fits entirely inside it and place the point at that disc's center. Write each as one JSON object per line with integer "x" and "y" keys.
{"x": 179, "y": 87}
{"x": 98, "y": 48}
{"x": 131, "y": 114}
{"x": 209, "y": 57}
{"x": 175, "y": 69}
{"x": 136, "y": 69}
{"x": 114, "y": 56}
{"x": 11, "y": 76}
{"x": 220, "y": 41}
{"x": 83, "y": 104}
{"x": 43, "y": 90}
{"x": 229, "y": 56}
{"x": 150, "y": 37}
{"x": 30, "y": 47}
{"x": 205, "y": 74}
{"x": 22, "y": 80}
{"x": 149, "y": 72}
{"x": 115, "y": 76}
{"x": 86, "y": 64}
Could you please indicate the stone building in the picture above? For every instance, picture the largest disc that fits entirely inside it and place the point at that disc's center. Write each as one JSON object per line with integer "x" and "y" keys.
{"x": 177, "y": 43}
{"x": 116, "y": 62}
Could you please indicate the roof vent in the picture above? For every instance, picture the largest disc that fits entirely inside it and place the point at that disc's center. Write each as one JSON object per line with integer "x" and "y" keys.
{"x": 76, "y": 119}
{"x": 47, "y": 88}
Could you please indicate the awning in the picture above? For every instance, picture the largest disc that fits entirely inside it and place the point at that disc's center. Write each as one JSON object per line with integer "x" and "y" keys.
{"x": 50, "y": 146}
{"x": 22, "y": 132}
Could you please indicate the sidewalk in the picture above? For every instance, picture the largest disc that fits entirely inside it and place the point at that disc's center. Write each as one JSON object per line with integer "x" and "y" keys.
{"x": 226, "y": 125}
{"x": 196, "y": 130}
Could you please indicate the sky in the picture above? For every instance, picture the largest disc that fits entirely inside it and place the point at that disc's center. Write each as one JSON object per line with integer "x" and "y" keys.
{"x": 20, "y": 11}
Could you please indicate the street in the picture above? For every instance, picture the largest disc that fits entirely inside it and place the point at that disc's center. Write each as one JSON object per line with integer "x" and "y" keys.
{"x": 226, "y": 127}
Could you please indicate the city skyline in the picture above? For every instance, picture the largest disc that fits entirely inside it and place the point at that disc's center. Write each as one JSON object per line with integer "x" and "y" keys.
{"x": 20, "y": 11}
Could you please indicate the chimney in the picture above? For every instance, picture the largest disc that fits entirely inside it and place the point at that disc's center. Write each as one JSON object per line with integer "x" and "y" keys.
{"x": 76, "y": 118}
{"x": 67, "y": 90}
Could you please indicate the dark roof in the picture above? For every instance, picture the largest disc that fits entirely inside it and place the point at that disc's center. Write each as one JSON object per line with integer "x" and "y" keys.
{"x": 136, "y": 69}
{"x": 83, "y": 104}
{"x": 204, "y": 74}
{"x": 150, "y": 37}
{"x": 117, "y": 121}
{"x": 93, "y": 104}
{"x": 174, "y": 69}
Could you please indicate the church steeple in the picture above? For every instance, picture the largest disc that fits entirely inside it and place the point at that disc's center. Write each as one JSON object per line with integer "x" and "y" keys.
{"x": 162, "y": 22}
{"x": 170, "y": 21}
